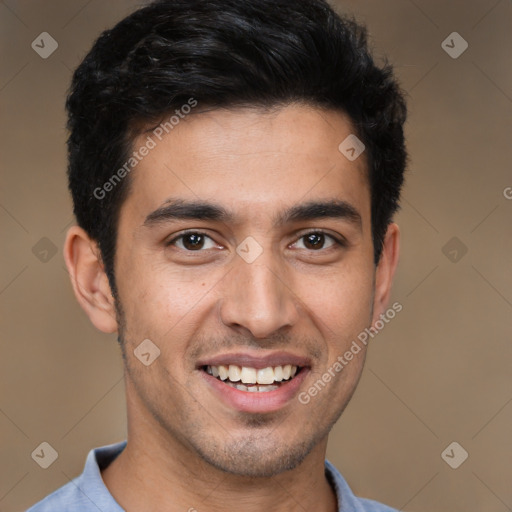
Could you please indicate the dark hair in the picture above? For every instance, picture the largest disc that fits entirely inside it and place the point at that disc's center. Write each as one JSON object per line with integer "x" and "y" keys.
{"x": 225, "y": 53}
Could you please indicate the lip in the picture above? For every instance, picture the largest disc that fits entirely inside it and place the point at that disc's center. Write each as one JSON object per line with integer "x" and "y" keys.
{"x": 259, "y": 361}
{"x": 256, "y": 402}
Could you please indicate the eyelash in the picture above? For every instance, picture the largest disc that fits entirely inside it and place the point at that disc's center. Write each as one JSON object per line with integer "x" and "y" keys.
{"x": 338, "y": 241}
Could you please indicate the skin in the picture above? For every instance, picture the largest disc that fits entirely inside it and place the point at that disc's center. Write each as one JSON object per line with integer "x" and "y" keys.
{"x": 186, "y": 447}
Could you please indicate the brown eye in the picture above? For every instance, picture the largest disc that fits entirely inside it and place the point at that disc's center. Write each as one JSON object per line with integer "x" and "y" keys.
{"x": 193, "y": 241}
{"x": 316, "y": 240}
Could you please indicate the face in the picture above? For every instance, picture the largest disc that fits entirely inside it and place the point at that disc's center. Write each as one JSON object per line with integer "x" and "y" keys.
{"x": 245, "y": 255}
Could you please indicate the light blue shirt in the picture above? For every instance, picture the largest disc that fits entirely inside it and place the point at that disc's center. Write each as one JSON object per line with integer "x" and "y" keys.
{"x": 88, "y": 493}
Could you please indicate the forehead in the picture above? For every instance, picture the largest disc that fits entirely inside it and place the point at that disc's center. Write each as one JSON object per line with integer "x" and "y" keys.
{"x": 252, "y": 161}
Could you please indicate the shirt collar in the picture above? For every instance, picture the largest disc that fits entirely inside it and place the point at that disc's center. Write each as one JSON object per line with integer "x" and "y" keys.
{"x": 91, "y": 483}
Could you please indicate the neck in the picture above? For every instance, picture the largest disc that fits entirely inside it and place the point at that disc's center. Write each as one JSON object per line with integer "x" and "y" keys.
{"x": 156, "y": 472}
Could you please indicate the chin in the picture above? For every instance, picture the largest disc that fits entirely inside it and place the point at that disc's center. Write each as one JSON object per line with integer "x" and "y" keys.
{"x": 256, "y": 457}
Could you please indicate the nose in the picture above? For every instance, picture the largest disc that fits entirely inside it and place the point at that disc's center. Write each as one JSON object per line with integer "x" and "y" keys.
{"x": 258, "y": 299}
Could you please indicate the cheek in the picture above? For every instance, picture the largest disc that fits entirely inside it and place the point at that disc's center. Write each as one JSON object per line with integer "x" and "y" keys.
{"x": 341, "y": 302}
{"x": 162, "y": 303}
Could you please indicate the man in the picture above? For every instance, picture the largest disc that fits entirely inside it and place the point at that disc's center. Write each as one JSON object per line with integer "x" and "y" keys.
{"x": 235, "y": 167}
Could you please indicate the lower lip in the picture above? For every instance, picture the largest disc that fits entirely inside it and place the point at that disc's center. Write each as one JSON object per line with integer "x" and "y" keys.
{"x": 256, "y": 402}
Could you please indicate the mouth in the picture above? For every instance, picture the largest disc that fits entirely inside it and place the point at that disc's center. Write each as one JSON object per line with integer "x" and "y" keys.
{"x": 253, "y": 380}
{"x": 255, "y": 383}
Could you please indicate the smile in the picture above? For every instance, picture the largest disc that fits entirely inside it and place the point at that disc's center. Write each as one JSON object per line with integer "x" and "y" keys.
{"x": 253, "y": 380}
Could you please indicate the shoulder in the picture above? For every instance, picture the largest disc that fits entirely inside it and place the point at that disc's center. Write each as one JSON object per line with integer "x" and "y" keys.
{"x": 68, "y": 498}
{"x": 86, "y": 492}
{"x": 375, "y": 506}
{"x": 347, "y": 501}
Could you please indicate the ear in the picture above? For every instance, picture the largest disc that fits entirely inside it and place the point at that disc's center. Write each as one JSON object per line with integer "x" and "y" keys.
{"x": 89, "y": 280}
{"x": 386, "y": 270}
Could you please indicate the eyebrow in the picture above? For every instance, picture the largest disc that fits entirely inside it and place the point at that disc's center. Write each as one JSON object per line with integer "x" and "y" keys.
{"x": 179, "y": 209}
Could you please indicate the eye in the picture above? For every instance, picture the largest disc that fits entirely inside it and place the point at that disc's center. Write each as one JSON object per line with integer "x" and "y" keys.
{"x": 193, "y": 241}
{"x": 316, "y": 240}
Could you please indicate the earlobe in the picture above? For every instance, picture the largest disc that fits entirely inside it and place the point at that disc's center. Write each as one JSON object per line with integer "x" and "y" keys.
{"x": 89, "y": 280}
{"x": 386, "y": 269}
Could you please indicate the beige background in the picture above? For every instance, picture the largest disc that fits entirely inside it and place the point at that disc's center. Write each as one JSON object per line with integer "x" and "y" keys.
{"x": 439, "y": 372}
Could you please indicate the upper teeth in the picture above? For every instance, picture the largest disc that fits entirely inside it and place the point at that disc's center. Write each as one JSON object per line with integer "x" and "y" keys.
{"x": 249, "y": 375}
